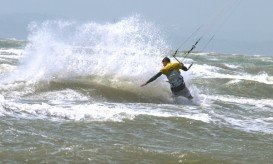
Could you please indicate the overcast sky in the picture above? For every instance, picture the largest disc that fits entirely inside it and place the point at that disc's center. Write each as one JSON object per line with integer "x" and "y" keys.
{"x": 248, "y": 29}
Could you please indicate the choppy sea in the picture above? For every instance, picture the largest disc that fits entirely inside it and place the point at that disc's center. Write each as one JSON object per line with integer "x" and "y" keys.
{"x": 71, "y": 93}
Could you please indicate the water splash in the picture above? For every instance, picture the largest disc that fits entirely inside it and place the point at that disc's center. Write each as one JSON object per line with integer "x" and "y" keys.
{"x": 125, "y": 50}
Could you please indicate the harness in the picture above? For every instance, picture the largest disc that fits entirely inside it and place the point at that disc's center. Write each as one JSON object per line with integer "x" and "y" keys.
{"x": 176, "y": 80}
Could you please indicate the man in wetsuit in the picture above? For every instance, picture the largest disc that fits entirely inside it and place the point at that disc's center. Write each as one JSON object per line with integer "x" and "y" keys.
{"x": 171, "y": 70}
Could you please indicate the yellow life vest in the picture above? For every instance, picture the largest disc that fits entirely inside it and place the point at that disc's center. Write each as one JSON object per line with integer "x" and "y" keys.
{"x": 171, "y": 70}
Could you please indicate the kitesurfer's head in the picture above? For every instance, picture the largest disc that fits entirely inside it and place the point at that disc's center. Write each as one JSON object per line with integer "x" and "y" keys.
{"x": 165, "y": 61}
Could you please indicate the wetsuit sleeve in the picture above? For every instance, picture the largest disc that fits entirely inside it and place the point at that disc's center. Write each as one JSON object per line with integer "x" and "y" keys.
{"x": 154, "y": 77}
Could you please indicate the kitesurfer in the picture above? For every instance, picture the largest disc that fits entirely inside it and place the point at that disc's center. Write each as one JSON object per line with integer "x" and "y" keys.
{"x": 172, "y": 71}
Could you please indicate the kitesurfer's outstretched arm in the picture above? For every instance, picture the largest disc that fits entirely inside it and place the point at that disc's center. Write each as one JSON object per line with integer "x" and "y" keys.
{"x": 152, "y": 79}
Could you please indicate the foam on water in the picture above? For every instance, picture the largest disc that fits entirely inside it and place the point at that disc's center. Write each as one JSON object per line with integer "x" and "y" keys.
{"x": 242, "y": 100}
{"x": 231, "y": 66}
{"x": 6, "y": 55}
{"x": 251, "y": 124}
{"x": 67, "y": 96}
{"x": 207, "y": 71}
{"x": 96, "y": 112}
{"x": 10, "y": 51}
{"x": 6, "y": 68}
{"x": 251, "y": 115}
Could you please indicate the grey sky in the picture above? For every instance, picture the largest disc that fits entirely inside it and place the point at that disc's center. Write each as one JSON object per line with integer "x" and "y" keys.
{"x": 249, "y": 29}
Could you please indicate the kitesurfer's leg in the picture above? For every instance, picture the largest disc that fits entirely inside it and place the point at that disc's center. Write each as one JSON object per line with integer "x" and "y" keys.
{"x": 184, "y": 92}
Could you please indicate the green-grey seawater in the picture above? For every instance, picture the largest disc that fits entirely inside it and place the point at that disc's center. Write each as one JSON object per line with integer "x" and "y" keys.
{"x": 69, "y": 105}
